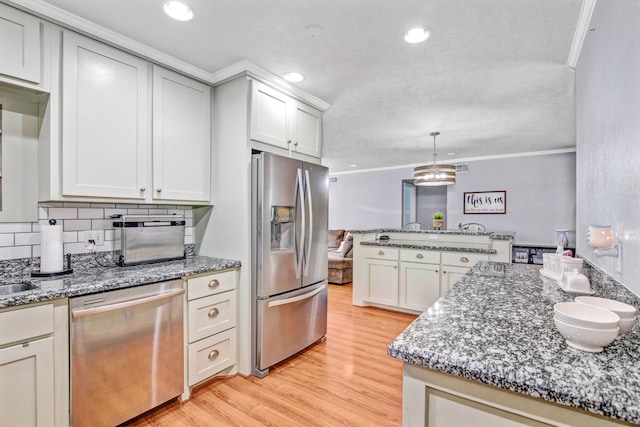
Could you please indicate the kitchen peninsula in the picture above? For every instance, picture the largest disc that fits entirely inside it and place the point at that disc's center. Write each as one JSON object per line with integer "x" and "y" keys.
{"x": 488, "y": 350}
{"x": 410, "y": 270}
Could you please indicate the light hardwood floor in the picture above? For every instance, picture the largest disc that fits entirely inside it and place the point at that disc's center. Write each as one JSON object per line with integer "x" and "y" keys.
{"x": 348, "y": 380}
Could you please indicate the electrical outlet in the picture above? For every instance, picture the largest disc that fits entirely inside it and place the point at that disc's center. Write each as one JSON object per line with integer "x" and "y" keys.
{"x": 96, "y": 235}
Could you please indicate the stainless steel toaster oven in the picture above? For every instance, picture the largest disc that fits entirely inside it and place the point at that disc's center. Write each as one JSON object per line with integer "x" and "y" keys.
{"x": 149, "y": 238}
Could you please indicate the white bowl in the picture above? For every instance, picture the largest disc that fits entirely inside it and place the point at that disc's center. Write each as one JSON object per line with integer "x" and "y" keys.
{"x": 585, "y": 315}
{"x": 586, "y": 339}
{"x": 625, "y": 325}
{"x": 625, "y": 311}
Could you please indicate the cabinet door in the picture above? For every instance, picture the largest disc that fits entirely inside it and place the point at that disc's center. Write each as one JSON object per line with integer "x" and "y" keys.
{"x": 381, "y": 280}
{"x": 450, "y": 275}
{"x": 306, "y": 132}
{"x": 271, "y": 116}
{"x": 26, "y": 384}
{"x": 181, "y": 137}
{"x": 104, "y": 120}
{"x": 20, "y": 46}
{"x": 419, "y": 285}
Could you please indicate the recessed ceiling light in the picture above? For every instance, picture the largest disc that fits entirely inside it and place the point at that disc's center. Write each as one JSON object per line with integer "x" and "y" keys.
{"x": 178, "y": 10}
{"x": 451, "y": 154}
{"x": 417, "y": 35}
{"x": 353, "y": 166}
{"x": 293, "y": 77}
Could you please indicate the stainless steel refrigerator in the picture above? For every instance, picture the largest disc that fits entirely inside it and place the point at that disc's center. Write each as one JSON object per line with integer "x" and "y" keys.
{"x": 289, "y": 257}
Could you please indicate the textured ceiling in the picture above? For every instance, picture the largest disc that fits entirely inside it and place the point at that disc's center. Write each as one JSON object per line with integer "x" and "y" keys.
{"x": 492, "y": 79}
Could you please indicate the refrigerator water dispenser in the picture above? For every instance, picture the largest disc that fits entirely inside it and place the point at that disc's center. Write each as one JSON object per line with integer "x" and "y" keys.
{"x": 282, "y": 228}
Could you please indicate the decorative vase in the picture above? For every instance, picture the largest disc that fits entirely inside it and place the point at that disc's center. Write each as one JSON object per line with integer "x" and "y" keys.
{"x": 438, "y": 223}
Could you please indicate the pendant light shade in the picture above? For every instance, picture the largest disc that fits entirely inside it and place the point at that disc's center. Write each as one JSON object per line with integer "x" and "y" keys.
{"x": 435, "y": 174}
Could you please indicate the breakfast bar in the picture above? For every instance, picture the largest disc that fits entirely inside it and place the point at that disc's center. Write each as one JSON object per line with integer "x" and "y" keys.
{"x": 488, "y": 350}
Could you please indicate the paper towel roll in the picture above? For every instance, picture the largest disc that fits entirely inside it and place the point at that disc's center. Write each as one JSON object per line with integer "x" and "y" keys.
{"x": 51, "y": 249}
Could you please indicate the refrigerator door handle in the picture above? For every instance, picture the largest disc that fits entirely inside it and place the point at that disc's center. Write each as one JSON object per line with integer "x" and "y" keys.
{"x": 296, "y": 298}
{"x": 307, "y": 252}
{"x": 299, "y": 244}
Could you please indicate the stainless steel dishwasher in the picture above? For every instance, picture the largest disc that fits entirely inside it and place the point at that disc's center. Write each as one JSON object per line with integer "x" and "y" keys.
{"x": 127, "y": 352}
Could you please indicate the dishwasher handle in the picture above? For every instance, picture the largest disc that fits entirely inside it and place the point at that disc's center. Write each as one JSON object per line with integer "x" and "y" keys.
{"x": 82, "y": 312}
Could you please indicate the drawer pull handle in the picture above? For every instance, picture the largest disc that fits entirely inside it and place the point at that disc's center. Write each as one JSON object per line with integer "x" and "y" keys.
{"x": 159, "y": 190}
{"x": 142, "y": 189}
{"x": 436, "y": 271}
{"x": 464, "y": 259}
{"x": 419, "y": 256}
{"x": 380, "y": 252}
{"x": 213, "y": 312}
{"x": 214, "y": 283}
{"x": 213, "y": 354}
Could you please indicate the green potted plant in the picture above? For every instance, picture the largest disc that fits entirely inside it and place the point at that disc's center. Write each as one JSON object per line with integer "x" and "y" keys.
{"x": 438, "y": 220}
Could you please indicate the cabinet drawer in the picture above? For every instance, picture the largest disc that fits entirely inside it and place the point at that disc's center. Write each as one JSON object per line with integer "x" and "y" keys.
{"x": 26, "y": 323}
{"x": 211, "y": 355}
{"x": 211, "y": 284}
{"x": 210, "y": 315}
{"x": 381, "y": 252}
{"x": 416, "y": 255}
{"x": 463, "y": 259}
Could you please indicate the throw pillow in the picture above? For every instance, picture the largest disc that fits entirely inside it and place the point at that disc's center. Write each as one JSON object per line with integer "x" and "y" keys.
{"x": 345, "y": 247}
{"x": 335, "y": 237}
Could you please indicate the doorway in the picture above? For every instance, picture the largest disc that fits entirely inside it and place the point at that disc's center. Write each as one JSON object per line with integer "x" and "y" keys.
{"x": 420, "y": 202}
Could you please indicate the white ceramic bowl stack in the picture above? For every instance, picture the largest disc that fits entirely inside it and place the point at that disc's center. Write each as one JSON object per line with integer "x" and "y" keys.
{"x": 626, "y": 312}
{"x": 586, "y": 327}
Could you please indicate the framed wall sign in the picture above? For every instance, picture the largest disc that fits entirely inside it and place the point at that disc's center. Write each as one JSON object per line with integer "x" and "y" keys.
{"x": 485, "y": 202}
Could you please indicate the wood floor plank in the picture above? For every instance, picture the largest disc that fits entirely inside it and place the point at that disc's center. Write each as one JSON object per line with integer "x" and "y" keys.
{"x": 348, "y": 380}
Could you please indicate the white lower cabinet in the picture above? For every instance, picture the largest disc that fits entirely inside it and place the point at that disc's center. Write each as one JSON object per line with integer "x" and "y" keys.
{"x": 419, "y": 279}
{"x": 211, "y": 337}
{"x": 412, "y": 279}
{"x": 381, "y": 275}
{"x": 32, "y": 370}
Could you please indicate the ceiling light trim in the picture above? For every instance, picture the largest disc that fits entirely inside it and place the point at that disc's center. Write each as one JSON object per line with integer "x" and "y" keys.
{"x": 178, "y": 10}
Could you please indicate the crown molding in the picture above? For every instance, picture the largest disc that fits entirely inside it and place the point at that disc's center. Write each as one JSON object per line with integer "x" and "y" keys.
{"x": 581, "y": 31}
{"x": 88, "y": 28}
{"x": 463, "y": 160}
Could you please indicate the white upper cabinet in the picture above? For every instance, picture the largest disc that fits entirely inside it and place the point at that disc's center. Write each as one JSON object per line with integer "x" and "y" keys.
{"x": 284, "y": 122}
{"x": 19, "y": 45}
{"x": 181, "y": 137}
{"x": 307, "y": 130}
{"x": 105, "y": 120}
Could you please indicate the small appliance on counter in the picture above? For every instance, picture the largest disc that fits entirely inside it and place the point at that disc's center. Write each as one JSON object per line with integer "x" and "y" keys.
{"x": 149, "y": 238}
{"x": 51, "y": 251}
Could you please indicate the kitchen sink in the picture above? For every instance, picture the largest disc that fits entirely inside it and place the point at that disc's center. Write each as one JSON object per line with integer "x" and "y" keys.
{"x": 11, "y": 288}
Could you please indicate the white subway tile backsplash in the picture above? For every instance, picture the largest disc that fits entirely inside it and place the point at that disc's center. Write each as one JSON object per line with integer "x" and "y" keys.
{"x": 101, "y": 224}
{"x": 70, "y": 237}
{"x": 13, "y": 252}
{"x": 76, "y": 205}
{"x": 15, "y": 227}
{"x": 7, "y": 239}
{"x": 90, "y": 213}
{"x": 77, "y": 224}
{"x": 22, "y": 240}
{"x": 63, "y": 213}
{"x": 26, "y": 239}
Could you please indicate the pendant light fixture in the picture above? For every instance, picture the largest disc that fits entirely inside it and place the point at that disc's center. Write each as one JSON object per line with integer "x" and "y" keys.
{"x": 431, "y": 175}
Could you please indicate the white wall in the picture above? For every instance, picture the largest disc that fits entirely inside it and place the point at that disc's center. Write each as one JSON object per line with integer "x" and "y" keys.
{"x": 540, "y": 196}
{"x": 608, "y": 134}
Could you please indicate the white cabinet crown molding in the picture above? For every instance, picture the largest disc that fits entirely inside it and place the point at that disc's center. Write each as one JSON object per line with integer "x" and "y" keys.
{"x": 75, "y": 23}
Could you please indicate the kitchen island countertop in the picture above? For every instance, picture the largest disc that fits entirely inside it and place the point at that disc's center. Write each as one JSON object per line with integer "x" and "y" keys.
{"x": 495, "y": 326}
{"x": 90, "y": 277}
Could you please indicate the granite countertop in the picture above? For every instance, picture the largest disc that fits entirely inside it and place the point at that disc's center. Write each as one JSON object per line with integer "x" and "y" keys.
{"x": 495, "y": 235}
{"x": 446, "y": 247}
{"x": 495, "y": 326}
{"x": 88, "y": 277}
